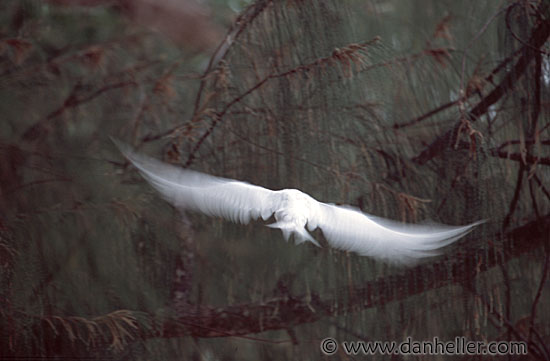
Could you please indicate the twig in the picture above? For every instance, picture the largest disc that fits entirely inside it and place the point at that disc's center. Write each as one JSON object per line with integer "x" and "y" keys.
{"x": 427, "y": 115}
{"x": 72, "y": 101}
{"x": 538, "y": 39}
{"x": 517, "y": 141}
{"x": 518, "y": 157}
{"x": 543, "y": 189}
{"x": 244, "y": 20}
{"x": 533, "y": 348}
{"x": 543, "y": 278}
{"x": 479, "y": 33}
{"x": 514, "y": 35}
{"x": 515, "y": 198}
{"x": 345, "y": 55}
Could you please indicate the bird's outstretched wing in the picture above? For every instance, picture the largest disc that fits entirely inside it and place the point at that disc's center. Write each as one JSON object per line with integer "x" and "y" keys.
{"x": 233, "y": 200}
{"x": 344, "y": 227}
{"x": 349, "y": 229}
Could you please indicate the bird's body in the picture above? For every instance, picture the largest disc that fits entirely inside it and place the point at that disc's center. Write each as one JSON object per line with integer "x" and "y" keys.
{"x": 295, "y": 213}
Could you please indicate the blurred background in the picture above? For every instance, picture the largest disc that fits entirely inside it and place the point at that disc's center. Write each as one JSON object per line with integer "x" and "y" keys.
{"x": 413, "y": 111}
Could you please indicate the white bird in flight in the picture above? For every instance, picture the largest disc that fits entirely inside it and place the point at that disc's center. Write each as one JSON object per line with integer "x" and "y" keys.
{"x": 344, "y": 227}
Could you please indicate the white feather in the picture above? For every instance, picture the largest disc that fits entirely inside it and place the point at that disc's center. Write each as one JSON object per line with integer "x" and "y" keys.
{"x": 344, "y": 227}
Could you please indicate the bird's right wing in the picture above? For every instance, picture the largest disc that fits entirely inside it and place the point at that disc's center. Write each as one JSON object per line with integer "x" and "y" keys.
{"x": 233, "y": 200}
{"x": 349, "y": 229}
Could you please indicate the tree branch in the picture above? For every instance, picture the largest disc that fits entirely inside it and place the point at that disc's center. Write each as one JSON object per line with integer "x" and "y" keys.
{"x": 279, "y": 313}
{"x": 286, "y": 311}
{"x": 538, "y": 38}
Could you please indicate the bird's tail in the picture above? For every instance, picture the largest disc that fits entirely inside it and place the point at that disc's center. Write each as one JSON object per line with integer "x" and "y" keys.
{"x": 300, "y": 233}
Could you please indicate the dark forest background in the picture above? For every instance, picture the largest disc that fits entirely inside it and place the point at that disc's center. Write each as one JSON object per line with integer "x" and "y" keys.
{"x": 411, "y": 110}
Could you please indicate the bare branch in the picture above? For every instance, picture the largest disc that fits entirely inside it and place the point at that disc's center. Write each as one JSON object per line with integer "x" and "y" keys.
{"x": 280, "y": 312}
{"x": 538, "y": 39}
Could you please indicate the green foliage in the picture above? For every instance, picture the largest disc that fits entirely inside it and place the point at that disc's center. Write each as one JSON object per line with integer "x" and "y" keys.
{"x": 339, "y": 99}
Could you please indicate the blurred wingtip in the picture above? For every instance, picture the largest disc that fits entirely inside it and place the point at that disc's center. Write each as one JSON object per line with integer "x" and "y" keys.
{"x": 122, "y": 147}
{"x": 481, "y": 221}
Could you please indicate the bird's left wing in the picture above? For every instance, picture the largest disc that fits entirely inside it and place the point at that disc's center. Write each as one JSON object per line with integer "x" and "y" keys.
{"x": 233, "y": 200}
{"x": 349, "y": 229}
